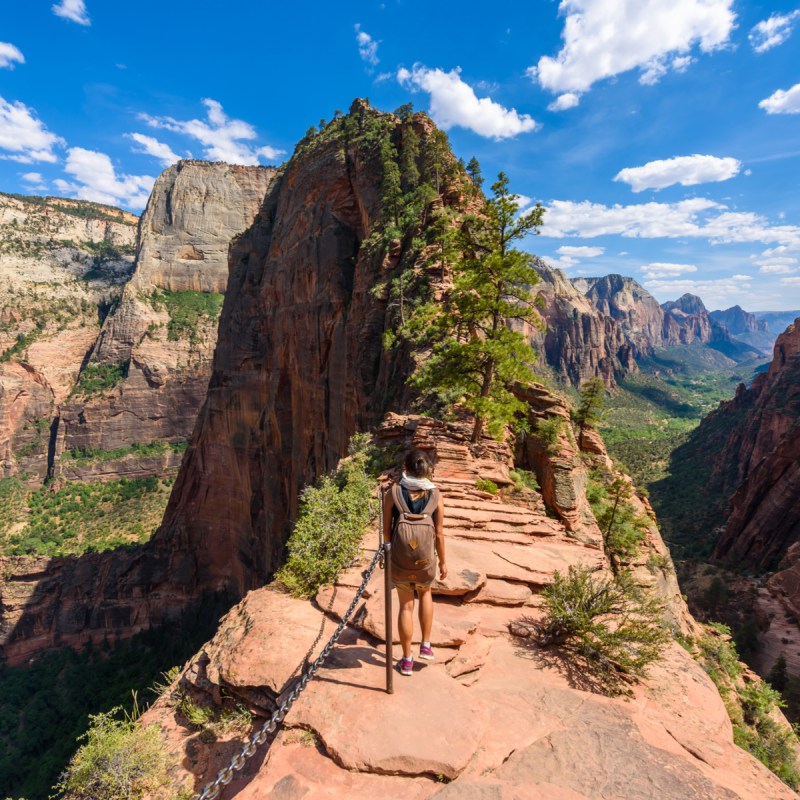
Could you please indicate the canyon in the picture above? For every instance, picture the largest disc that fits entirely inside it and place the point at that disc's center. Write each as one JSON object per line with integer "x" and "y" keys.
{"x": 267, "y": 386}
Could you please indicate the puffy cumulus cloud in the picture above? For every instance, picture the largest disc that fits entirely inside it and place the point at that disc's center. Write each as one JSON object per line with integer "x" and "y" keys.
{"x": 661, "y": 269}
{"x": 564, "y": 101}
{"x": 603, "y": 38}
{"x": 367, "y": 47}
{"x": 571, "y": 255}
{"x": 34, "y": 180}
{"x": 455, "y": 104}
{"x": 783, "y": 102}
{"x": 772, "y": 32}
{"x": 23, "y": 136}
{"x": 97, "y": 180}
{"x": 685, "y": 170}
{"x": 74, "y": 10}
{"x": 580, "y": 251}
{"x": 9, "y": 55}
{"x": 150, "y": 146}
{"x": 694, "y": 218}
{"x": 223, "y": 139}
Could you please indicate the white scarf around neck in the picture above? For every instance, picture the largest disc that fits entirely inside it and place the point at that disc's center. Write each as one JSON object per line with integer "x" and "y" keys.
{"x": 417, "y": 484}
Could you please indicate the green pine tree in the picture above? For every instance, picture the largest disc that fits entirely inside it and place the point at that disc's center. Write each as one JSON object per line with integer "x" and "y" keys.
{"x": 591, "y": 405}
{"x": 476, "y": 355}
{"x": 474, "y": 172}
{"x": 409, "y": 155}
{"x": 391, "y": 188}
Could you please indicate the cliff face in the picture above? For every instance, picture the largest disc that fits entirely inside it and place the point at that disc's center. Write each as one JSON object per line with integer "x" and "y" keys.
{"x": 162, "y": 336}
{"x": 61, "y": 263}
{"x": 765, "y": 443}
{"x": 578, "y": 341}
{"x": 746, "y": 327}
{"x": 635, "y": 310}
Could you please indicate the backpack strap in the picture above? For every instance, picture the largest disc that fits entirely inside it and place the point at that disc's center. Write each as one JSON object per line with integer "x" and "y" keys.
{"x": 399, "y": 500}
{"x": 432, "y": 504}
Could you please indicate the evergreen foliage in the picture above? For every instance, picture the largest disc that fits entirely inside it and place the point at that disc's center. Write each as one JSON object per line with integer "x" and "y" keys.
{"x": 474, "y": 172}
{"x": 187, "y": 311}
{"x": 331, "y": 522}
{"x": 476, "y": 355}
{"x": 622, "y": 526}
{"x": 99, "y": 378}
{"x": 609, "y": 625}
{"x": 590, "y": 408}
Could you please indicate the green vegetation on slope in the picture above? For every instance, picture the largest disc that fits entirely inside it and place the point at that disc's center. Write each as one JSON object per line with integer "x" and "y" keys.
{"x": 187, "y": 311}
{"x": 45, "y": 706}
{"x": 99, "y": 378}
{"x": 80, "y": 517}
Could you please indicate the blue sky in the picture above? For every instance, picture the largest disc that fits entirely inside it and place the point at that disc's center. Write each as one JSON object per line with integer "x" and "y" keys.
{"x": 661, "y": 135}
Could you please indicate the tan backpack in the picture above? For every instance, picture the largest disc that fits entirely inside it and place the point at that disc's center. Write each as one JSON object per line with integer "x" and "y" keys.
{"x": 414, "y": 540}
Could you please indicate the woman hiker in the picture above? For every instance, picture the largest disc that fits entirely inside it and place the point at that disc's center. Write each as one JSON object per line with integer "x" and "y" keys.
{"x": 413, "y": 518}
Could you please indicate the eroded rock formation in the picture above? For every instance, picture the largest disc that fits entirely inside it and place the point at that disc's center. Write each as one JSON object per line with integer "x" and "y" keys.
{"x": 764, "y": 443}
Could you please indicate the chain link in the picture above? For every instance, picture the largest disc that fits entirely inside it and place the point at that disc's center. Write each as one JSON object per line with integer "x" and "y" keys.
{"x": 225, "y": 776}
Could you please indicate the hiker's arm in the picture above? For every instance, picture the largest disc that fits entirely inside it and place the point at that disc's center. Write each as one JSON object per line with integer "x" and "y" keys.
{"x": 387, "y": 515}
{"x": 440, "y": 539}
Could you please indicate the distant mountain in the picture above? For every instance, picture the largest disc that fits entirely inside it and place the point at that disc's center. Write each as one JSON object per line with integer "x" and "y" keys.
{"x": 777, "y": 321}
{"x": 746, "y": 327}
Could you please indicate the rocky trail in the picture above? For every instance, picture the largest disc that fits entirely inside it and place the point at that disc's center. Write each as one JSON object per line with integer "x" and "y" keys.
{"x": 494, "y": 717}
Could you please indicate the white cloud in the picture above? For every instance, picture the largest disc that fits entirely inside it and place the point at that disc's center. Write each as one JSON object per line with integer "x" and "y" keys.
{"x": 772, "y": 32}
{"x": 152, "y": 147}
{"x": 97, "y": 180}
{"x": 661, "y": 269}
{"x": 367, "y": 47}
{"x": 522, "y": 201}
{"x": 694, "y": 218}
{"x": 74, "y": 10}
{"x": 24, "y": 136}
{"x": 685, "y": 170}
{"x": 10, "y": 54}
{"x": 34, "y": 180}
{"x": 775, "y": 264}
{"x": 454, "y": 103}
{"x": 580, "y": 251}
{"x": 604, "y": 38}
{"x": 564, "y": 101}
{"x": 777, "y": 269}
{"x": 783, "y": 102}
{"x": 741, "y": 277}
{"x": 790, "y": 281}
{"x": 223, "y": 138}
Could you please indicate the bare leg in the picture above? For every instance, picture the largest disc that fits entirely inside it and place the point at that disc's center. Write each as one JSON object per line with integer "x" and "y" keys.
{"x": 425, "y": 613}
{"x": 405, "y": 619}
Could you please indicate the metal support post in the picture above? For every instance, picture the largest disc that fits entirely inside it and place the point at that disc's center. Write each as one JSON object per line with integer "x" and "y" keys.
{"x": 387, "y": 578}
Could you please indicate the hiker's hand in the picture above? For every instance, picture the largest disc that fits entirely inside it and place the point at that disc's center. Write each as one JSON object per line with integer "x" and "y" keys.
{"x": 442, "y": 571}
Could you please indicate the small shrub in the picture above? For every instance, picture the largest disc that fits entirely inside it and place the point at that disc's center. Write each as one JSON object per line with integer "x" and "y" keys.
{"x": 196, "y": 715}
{"x": 120, "y": 760}
{"x": 524, "y": 479}
{"x": 99, "y": 378}
{"x": 607, "y": 623}
{"x": 485, "y": 485}
{"x": 549, "y": 431}
{"x": 331, "y": 522}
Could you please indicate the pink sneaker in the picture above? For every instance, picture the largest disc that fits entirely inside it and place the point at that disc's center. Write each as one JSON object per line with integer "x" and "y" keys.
{"x": 426, "y": 653}
{"x": 406, "y": 666}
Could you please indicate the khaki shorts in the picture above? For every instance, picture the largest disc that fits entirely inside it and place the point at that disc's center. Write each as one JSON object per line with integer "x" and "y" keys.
{"x": 411, "y": 586}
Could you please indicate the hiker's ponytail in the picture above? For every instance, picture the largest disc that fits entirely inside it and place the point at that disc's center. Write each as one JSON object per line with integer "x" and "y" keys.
{"x": 418, "y": 464}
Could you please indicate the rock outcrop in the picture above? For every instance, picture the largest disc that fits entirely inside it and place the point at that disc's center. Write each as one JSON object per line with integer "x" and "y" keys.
{"x": 61, "y": 263}
{"x": 746, "y": 327}
{"x": 162, "y": 336}
{"x": 501, "y": 715}
{"x": 578, "y": 341}
{"x": 764, "y": 442}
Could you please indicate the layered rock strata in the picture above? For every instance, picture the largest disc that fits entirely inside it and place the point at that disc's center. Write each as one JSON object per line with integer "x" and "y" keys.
{"x": 162, "y": 335}
{"x": 577, "y": 340}
{"x": 61, "y": 263}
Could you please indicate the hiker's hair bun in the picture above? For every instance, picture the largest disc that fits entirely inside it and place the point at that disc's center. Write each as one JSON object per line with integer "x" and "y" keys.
{"x": 418, "y": 464}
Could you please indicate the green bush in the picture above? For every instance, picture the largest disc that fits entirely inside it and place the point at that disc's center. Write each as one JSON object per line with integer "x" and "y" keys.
{"x": 485, "y": 485}
{"x": 331, "y": 522}
{"x": 524, "y": 479}
{"x": 549, "y": 431}
{"x": 99, "y": 378}
{"x": 120, "y": 760}
{"x": 608, "y": 624}
{"x": 187, "y": 310}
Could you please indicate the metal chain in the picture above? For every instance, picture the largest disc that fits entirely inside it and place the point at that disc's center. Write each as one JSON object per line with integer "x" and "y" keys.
{"x": 225, "y": 776}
